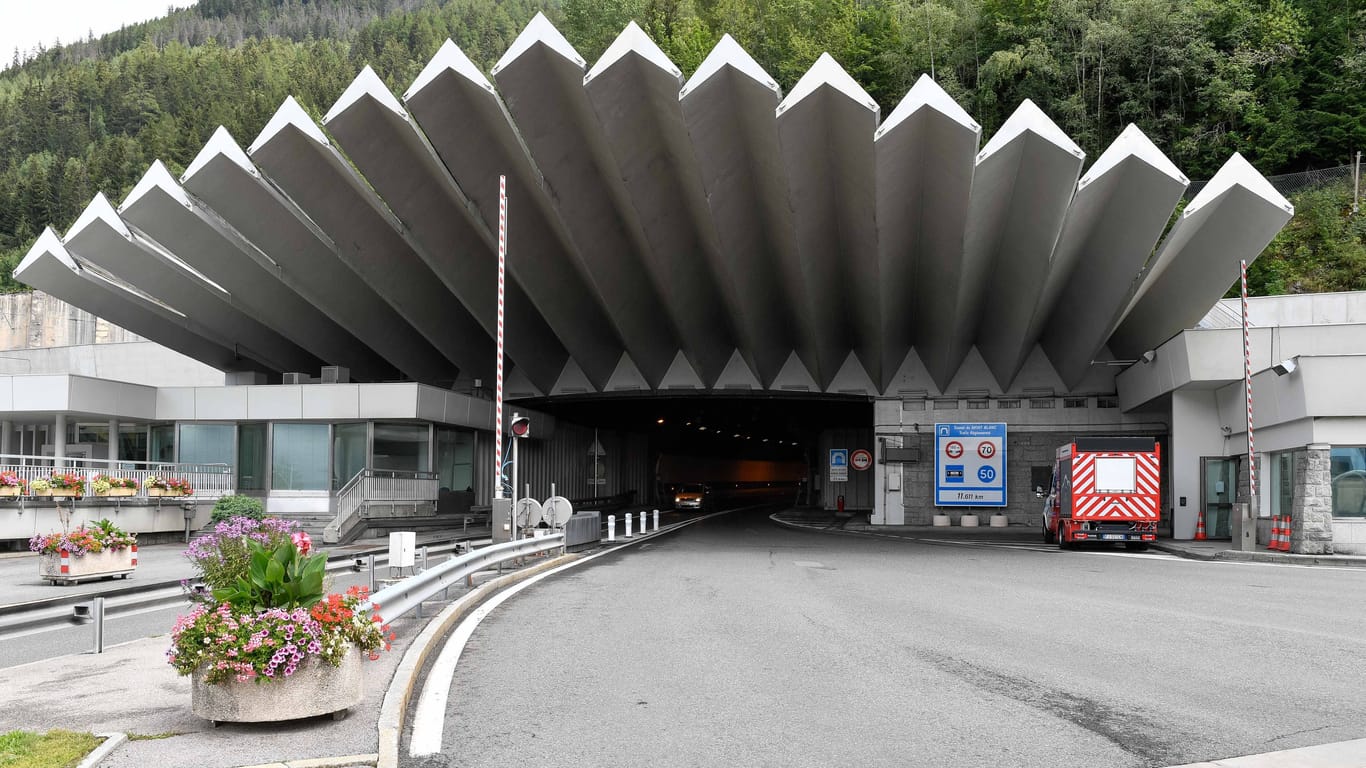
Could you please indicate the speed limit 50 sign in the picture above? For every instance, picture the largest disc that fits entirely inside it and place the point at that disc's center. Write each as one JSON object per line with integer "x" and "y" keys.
{"x": 970, "y": 465}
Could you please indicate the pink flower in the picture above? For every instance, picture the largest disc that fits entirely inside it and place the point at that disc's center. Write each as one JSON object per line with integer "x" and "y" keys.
{"x": 301, "y": 542}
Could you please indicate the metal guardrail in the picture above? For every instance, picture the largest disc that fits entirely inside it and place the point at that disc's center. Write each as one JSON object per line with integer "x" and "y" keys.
{"x": 409, "y": 594}
{"x": 209, "y": 481}
{"x": 382, "y": 486}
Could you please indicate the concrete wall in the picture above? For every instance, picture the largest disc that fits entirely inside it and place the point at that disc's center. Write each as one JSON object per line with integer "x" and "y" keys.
{"x": 33, "y": 319}
{"x": 24, "y": 522}
{"x": 1196, "y": 433}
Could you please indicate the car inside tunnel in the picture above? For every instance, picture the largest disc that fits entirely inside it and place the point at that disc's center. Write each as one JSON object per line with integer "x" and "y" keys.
{"x": 714, "y": 452}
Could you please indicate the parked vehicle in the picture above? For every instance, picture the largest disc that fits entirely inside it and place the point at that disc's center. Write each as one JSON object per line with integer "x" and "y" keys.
{"x": 1104, "y": 489}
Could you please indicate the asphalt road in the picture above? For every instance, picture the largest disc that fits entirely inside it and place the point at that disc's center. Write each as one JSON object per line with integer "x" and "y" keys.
{"x": 738, "y": 642}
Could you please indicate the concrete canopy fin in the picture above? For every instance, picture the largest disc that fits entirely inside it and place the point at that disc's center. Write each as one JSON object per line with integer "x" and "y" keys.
{"x": 367, "y": 85}
{"x": 289, "y": 115}
{"x": 973, "y": 376}
{"x": 852, "y": 379}
{"x": 681, "y": 375}
{"x": 555, "y": 119}
{"x": 1021, "y": 188}
{"x": 737, "y": 375}
{"x": 572, "y": 381}
{"x": 924, "y": 154}
{"x": 633, "y": 40}
{"x": 1198, "y": 260}
{"x": 1121, "y": 207}
{"x": 627, "y": 377}
{"x": 795, "y": 377}
{"x": 474, "y": 136}
{"x": 635, "y": 99}
{"x": 1036, "y": 373}
{"x": 827, "y": 73}
{"x": 912, "y": 379}
{"x": 157, "y": 177}
{"x": 220, "y": 144}
{"x": 539, "y": 31}
{"x": 448, "y": 58}
{"x": 215, "y": 250}
{"x": 47, "y": 243}
{"x": 728, "y": 110}
{"x": 517, "y": 385}
{"x": 729, "y": 54}
{"x": 99, "y": 210}
{"x": 825, "y": 127}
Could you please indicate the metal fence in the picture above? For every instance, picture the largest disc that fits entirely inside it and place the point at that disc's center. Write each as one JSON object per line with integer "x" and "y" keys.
{"x": 1293, "y": 183}
{"x": 208, "y": 481}
{"x": 378, "y": 486}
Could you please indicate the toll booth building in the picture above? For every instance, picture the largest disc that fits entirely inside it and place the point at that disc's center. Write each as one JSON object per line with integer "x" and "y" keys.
{"x": 900, "y": 316}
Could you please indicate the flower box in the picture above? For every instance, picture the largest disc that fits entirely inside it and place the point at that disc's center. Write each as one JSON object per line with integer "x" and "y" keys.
{"x": 165, "y": 492}
{"x": 61, "y": 493}
{"x": 64, "y": 568}
{"x": 315, "y": 688}
{"x": 118, "y": 492}
{"x": 9, "y": 490}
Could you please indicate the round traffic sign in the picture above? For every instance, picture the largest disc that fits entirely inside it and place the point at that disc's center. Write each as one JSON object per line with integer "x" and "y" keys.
{"x": 861, "y": 459}
{"x": 986, "y": 474}
{"x": 953, "y": 449}
{"x": 986, "y": 450}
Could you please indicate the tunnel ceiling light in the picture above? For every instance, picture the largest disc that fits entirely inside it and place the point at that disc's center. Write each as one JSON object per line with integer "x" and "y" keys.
{"x": 765, "y": 439}
{"x": 659, "y": 421}
{"x": 737, "y": 434}
{"x": 704, "y": 429}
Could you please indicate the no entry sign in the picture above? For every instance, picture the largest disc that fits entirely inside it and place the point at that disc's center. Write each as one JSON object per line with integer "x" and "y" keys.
{"x": 861, "y": 459}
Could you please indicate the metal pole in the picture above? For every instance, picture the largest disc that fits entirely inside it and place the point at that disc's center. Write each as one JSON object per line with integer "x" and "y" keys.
{"x": 515, "y": 441}
{"x": 424, "y": 560}
{"x": 371, "y": 559}
{"x": 97, "y": 613}
{"x": 498, "y": 396}
{"x": 1247, "y": 389}
{"x": 1356, "y": 185}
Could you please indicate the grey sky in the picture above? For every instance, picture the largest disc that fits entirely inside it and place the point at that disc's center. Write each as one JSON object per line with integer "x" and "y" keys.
{"x": 26, "y": 23}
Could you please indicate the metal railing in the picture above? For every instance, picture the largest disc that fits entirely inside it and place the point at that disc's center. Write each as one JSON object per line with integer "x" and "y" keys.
{"x": 409, "y": 594}
{"x": 208, "y": 481}
{"x": 384, "y": 486}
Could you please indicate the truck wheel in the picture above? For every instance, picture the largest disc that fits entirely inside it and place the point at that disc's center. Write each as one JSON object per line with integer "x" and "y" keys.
{"x": 1062, "y": 542}
{"x": 1048, "y": 536}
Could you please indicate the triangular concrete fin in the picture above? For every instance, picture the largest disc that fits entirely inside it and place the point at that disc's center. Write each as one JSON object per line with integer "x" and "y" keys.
{"x": 634, "y": 40}
{"x": 852, "y": 379}
{"x": 220, "y": 143}
{"x": 973, "y": 375}
{"x": 572, "y": 381}
{"x": 517, "y": 385}
{"x": 737, "y": 374}
{"x": 681, "y": 375}
{"x": 827, "y": 72}
{"x": 794, "y": 376}
{"x": 626, "y": 377}
{"x": 1037, "y": 373}
{"x": 912, "y": 379}
{"x": 728, "y": 53}
{"x": 539, "y": 31}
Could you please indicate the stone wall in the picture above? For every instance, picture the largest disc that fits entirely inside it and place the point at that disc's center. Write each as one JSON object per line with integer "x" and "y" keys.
{"x": 1311, "y": 529}
{"x": 33, "y": 320}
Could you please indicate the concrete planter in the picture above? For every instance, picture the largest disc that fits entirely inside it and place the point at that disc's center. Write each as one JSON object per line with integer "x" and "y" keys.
{"x": 315, "y": 688}
{"x": 942, "y": 521}
{"x": 968, "y": 521}
{"x": 63, "y": 568}
{"x": 164, "y": 492}
{"x": 1000, "y": 521}
{"x": 9, "y": 490}
{"x": 118, "y": 492}
{"x": 60, "y": 493}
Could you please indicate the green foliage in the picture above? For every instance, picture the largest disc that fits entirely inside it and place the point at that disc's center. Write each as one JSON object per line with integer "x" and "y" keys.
{"x": 1278, "y": 80}
{"x": 26, "y": 749}
{"x": 237, "y": 505}
{"x": 278, "y": 578}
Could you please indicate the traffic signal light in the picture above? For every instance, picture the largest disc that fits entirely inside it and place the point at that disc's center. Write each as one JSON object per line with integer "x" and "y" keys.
{"x": 520, "y": 426}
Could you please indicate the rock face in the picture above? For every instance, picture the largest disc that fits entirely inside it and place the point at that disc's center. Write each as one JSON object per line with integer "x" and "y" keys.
{"x": 1311, "y": 527}
{"x": 316, "y": 688}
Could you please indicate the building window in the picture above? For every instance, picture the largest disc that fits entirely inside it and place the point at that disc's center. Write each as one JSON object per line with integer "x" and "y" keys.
{"x": 1347, "y": 468}
{"x": 251, "y": 457}
{"x": 1282, "y": 486}
{"x": 1041, "y": 402}
{"x": 1011, "y": 403}
{"x": 298, "y": 460}
{"x": 206, "y": 444}
{"x": 1107, "y": 402}
{"x": 402, "y": 447}
{"x": 978, "y": 405}
{"x": 349, "y": 449}
{"x": 455, "y": 458}
{"x": 1074, "y": 402}
{"x": 945, "y": 404}
{"x": 163, "y": 444}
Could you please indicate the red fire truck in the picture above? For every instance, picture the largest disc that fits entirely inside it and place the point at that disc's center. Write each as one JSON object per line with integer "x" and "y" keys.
{"x": 1104, "y": 489}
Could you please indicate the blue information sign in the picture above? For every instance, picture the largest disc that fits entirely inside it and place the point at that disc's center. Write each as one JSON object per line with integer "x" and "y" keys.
{"x": 970, "y": 465}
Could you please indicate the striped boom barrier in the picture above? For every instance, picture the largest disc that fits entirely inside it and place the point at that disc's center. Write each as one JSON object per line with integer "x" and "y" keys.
{"x": 1247, "y": 390}
{"x": 498, "y": 396}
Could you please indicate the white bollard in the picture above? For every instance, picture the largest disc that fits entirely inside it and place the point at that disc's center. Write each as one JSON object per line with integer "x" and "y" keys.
{"x": 656, "y": 519}
{"x": 628, "y": 525}
{"x": 611, "y": 527}
{"x": 643, "y": 529}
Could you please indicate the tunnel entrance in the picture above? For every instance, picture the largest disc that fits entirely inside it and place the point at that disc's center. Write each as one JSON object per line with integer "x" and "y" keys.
{"x": 729, "y": 450}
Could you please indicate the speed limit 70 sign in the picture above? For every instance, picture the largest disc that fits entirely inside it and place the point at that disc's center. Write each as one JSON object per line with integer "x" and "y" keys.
{"x": 970, "y": 465}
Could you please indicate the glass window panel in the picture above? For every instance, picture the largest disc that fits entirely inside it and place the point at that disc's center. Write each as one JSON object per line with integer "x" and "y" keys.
{"x": 348, "y": 452}
{"x": 251, "y": 457}
{"x": 455, "y": 458}
{"x": 132, "y": 443}
{"x": 1347, "y": 468}
{"x": 401, "y": 447}
{"x": 1283, "y": 483}
{"x": 163, "y": 443}
{"x": 206, "y": 444}
{"x": 299, "y": 457}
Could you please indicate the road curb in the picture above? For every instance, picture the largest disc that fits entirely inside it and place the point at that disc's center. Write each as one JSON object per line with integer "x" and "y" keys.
{"x": 344, "y": 761}
{"x": 112, "y": 741}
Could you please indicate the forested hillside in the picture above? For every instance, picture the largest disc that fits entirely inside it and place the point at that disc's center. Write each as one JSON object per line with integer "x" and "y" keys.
{"x": 1282, "y": 81}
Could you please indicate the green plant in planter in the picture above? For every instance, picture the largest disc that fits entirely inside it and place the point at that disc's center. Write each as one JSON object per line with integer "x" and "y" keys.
{"x": 237, "y": 505}
{"x": 278, "y": 578}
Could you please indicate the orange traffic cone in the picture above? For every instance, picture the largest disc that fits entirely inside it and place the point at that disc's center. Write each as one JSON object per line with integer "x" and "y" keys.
{"x": 1200, "y": 527}
{"x": 1285, "y": 536}
{"x": 1273, "y": 540}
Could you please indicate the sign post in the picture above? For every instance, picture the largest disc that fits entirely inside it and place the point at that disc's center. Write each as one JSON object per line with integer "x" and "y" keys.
{"x": 970, "y": 465}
